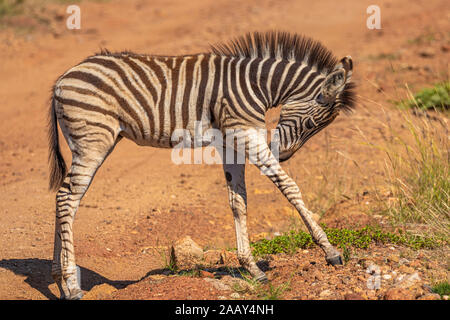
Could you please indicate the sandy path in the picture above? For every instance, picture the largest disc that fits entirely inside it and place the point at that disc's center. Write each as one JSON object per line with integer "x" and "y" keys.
{"x": 139, "y": 198}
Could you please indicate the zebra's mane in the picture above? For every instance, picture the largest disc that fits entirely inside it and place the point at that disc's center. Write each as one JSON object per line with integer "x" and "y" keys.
{"x": 279, "y": 45}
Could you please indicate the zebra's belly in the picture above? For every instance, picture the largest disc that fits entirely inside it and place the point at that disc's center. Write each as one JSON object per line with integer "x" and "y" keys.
{"x": 197, "y": 134}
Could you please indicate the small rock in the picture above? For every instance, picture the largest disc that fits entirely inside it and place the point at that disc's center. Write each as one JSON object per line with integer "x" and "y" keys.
{"x": 353, "y": 296}
{"x": 415, "y": 264}
{"x": 228, "y": 257}
{"x": 100, "y": 292}
{"x": 387, "y": 277}
{"x": 222, "y": 298}
{"x": 406, "y": 269}
{"x": 403, "y": 261}
{"x": 185, "y": 253}
{"x": 235, "y": 295}
{"x": 430, "y": 296}
{"x": 325, "y": 293}
{"x": 219, "y": 285}
{"x": 399, "y": 294}
{"x": 206, "y": 274}
{"x": 393, "y": 258}
{"x": 212, "y": 257}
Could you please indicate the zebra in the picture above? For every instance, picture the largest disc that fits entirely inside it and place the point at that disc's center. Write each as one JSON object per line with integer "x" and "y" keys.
{"x": 145, "y": 98}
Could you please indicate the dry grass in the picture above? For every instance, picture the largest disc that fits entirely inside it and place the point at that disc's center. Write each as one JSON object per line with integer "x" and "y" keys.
{"x": 417, "y": 167}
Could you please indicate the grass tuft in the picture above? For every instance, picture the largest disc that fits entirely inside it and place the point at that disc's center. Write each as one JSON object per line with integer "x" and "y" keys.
{"x": 442, "y": 288}
{"x": 436, "y": 97}
{"x": 342, "y": 238}
{"x": 418, "y": 174}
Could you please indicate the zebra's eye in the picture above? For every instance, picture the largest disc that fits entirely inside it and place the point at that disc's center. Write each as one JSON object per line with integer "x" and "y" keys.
{"x": 321, "y": 100}
{"x": 309, "y": 124}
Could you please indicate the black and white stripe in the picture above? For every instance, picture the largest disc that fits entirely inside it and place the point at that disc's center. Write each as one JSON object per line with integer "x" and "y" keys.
{"x": 146, "y": 98}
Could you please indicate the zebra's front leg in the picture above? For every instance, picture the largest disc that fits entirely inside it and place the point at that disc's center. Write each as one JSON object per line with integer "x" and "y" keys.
{"x": 237, "y": 196}
{"x": 263, "y": 158}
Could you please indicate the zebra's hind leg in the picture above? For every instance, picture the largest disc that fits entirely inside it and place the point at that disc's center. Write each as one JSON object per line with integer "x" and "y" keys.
{"x": 237, "y": 196}
{"x": 64, "y": 270}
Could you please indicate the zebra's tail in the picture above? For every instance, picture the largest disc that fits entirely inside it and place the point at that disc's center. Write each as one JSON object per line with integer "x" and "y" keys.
{"x": 58, "y": 167}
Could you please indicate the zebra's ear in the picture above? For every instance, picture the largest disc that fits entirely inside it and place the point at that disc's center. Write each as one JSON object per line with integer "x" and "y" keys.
{"x": 334, "y": 83}
{"x": 346, "y": 63}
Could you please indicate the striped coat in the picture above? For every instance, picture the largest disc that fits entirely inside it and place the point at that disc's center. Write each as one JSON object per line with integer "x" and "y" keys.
{"x": 110, "y": 96}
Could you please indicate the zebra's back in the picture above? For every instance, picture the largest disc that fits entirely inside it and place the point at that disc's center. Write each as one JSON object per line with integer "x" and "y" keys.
{"x": 144, "y": 98}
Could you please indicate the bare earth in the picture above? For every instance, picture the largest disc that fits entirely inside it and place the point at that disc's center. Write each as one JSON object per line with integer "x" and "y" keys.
{"x": 140, "y": 202}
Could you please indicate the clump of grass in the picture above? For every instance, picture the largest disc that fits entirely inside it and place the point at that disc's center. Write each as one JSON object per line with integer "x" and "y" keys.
{"x": 436, "y": 97}
{"x": 342, "y": 238}
{"x": 418, "y": 174}
{"x": 272, "y": 292}
{"x": 442, "y": 288}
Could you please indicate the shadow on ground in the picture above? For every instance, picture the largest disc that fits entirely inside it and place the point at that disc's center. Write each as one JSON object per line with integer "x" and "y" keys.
{"x": 38, "y": 273}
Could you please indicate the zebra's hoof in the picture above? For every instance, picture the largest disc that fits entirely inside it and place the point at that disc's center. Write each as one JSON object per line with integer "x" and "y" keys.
{"x": 335, "y": 261}
{"x": 262, "y": 279}
{"x": 76, "y": 296}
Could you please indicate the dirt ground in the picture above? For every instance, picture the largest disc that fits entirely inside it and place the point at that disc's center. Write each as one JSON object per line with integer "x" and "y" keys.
{"x": 141, "y": 202}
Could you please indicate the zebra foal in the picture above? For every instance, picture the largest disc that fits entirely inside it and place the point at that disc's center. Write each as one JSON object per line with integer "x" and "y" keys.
{"x": 147, "y": 98}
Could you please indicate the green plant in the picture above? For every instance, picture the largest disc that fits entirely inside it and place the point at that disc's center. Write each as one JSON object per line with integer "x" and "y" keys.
{"x": 346, "y": 254}
{"x": 168, "y": 260}
{"x": 436, "y": 97}
{"x": 342, "y": 238}
{"x": 272, "y": 292}
{"x": 418, "y": 173}
{"x": 442, "y": 288}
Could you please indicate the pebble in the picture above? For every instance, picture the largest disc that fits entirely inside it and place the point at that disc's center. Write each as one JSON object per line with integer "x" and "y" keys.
{"x": 393, "y": 258}
{"x": 326, "y": 293}
{"x": 206, "y": 274}
{"x": 399, "y": 294}
{"x": 235, "y": 295}
{"x": 387, "y": 276}
{"x": 353, "y": 296}
{"x": 406, "y": 269}
{"x": 217, "y": 284}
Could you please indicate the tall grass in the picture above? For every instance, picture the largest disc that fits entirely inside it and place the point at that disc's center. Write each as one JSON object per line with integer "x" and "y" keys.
{"x": 418, "y": 173}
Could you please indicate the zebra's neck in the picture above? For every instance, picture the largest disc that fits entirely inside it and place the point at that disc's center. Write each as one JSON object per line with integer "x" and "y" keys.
{"x": 251, "y": 86}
